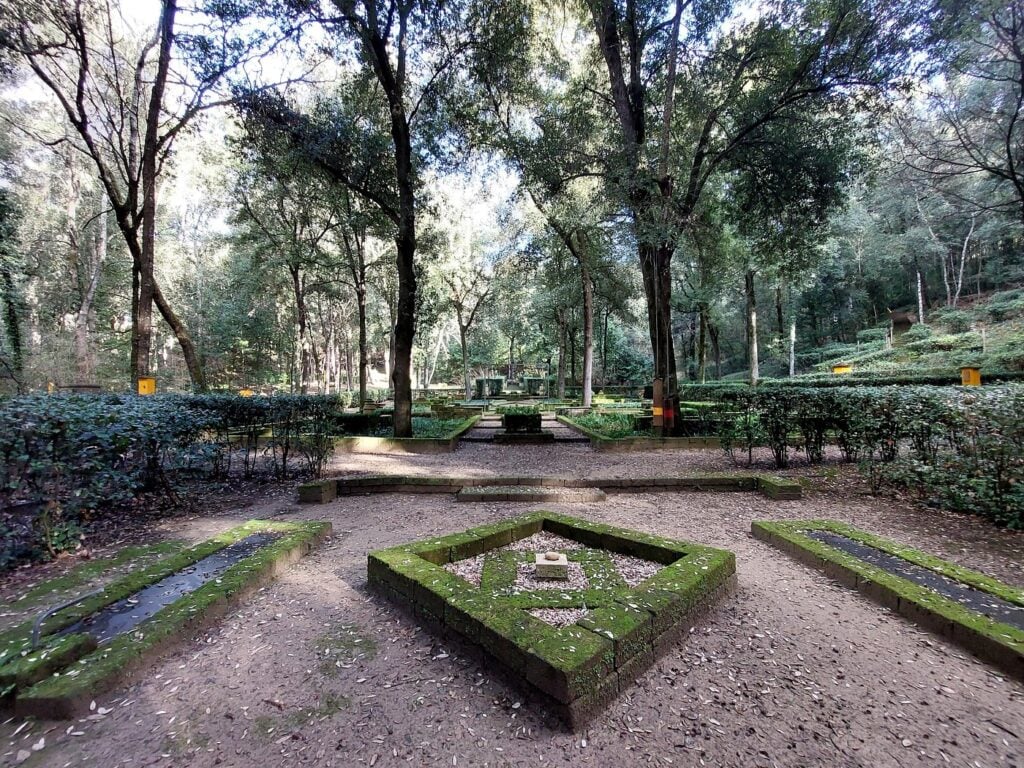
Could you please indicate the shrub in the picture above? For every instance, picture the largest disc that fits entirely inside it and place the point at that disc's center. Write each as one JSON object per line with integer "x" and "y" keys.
{"x": 1003, "y": 306}
{"x": 869, "y": 335}
{"x": 75, "y": 457}
{"x": 918, "y": 332}
{"x": 957, "y": 320}
{"x": 610, "y": 425}
{"x": 959, "y": 448}
{"x": 517, "y": 410}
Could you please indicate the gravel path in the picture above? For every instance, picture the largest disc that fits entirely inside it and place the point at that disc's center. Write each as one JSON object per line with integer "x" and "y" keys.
{"x": 793, "y": 670}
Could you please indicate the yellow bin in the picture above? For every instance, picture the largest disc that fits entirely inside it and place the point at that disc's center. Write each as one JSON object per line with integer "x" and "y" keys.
{"x": 841, "y": 369}
{"x": 970, "y": 377}
{"x": 246, "y": 392}
{"x": 147, "y": 385}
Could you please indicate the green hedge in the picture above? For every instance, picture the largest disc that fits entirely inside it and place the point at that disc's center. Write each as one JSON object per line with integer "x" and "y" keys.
{"x": 957, "y": 447}
{"x": 65, "y": 459}
{"x": 710, "y": 390}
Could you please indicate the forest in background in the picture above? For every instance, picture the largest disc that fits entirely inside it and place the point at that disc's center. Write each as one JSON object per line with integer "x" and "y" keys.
{"x": 788, "y": 177}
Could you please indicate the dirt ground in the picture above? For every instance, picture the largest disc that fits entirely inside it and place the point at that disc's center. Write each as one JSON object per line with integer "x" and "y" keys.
{"x": 792, "y": 670}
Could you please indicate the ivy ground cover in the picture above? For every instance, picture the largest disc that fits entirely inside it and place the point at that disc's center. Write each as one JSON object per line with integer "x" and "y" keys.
{"x": 629, "y": 596}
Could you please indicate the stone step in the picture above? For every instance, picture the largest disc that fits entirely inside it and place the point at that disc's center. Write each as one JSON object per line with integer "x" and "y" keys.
{"x": 529, "y": 493}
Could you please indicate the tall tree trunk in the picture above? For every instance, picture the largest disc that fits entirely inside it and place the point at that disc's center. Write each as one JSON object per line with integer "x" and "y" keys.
{"x": 963, "y": 264}
{"x": 921, "y": 301}
{"x": 716, "y": 349}
{"x": 348, "y": 363}
{"x": 83, "y": 273}
{"x": 442, "y": 342}
{"x": 146, "y": 258}
{"x": 83, "y": 349}
{"x": 12, "y": 321}
{"x": 301, "y": 323}
{"x": 465, "y": 361}
{"x": 560, "y": 384}
{"x": 780, "y": 319}
{"x": 134, "y": 361}
{"x": 702, "y": 343}
{"x": 572, "y": 355}
{"x": 792, "y": 348}
{"x": 588, "y": 334}
{"x": 604, "y": 349}
{"x": 393, "y": 84}
{"x": 364, "y": 354}
{"x": 657, "y": 280}
{"x": 752, "y": 352}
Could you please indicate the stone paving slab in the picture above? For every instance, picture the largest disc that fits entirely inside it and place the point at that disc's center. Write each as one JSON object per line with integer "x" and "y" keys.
{"x": 529, "y": 493}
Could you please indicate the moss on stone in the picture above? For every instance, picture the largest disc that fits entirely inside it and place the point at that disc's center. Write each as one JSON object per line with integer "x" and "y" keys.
{"x": 103, "y": 668}
{"x": 32, "y": 666}
{"x": 571, "y": 663}
{"x": 16, "y": 640}
{"x": 629, "y": 629}
{"x": 907, "y": 597}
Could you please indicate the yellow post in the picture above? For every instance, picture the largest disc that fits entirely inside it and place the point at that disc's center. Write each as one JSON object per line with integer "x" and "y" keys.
{"x": 245, "y": 392}
{"x": 147, "y": 385}
{"x": 839, "y": 370}
{"x": 658, "y": 406}
{"x": 970, "y": 376}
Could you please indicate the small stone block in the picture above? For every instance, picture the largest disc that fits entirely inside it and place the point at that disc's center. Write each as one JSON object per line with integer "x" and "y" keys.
{"x": 318, "y": 493}
{"x": 552, "y": 568}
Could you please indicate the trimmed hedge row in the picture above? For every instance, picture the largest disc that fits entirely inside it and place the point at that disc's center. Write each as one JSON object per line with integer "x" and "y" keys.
{"x": 959, "y": 448}
{"x": 67, "y": 458}
{"x": 828, "y": 381}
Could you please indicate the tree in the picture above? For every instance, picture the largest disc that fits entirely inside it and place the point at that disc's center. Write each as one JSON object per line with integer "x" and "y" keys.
{"x": 467, "y": 291}
{"x": 115, "y": 100}
{"x": 289, "y": 213}
{"x": 11, "y": 355}
{"x": 408, "y": 52}
{"x": 970, "y": 126}
{"x": 684, "y": 113}
{"x": 540, "y": 117}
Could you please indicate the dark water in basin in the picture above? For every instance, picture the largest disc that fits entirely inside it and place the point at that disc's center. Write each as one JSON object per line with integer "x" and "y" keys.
{"x": 124, "y": 615}
{"x": 974, "y": 599}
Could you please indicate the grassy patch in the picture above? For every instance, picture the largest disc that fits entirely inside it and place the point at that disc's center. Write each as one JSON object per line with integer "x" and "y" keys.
{"x": 611, "y": 426}
{"x": 327, "y": 705}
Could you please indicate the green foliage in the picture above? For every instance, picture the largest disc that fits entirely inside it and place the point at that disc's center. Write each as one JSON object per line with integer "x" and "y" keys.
{"x": 517, "y": 410}
{"x": 1005, "y": 305}
{"x": 610, "y": 425}
{"x": 435, "y": 429}
{"x": 955, "y": 320}
{"x": 958, "y": 448}
{"x": 872, "y": 335}
{"x": 74, "y": 458}
{"x": 918, "y": 332}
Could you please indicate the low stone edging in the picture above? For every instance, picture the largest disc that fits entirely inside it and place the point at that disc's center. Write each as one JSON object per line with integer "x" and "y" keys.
{"x": 322, "y": 491}
{"x": 628, "y": 444}
{"x": 91, "y": 672}
{"x": 365, "y": 444}
{"x": 996, "y": 642}
{"x": 578, "y": 669}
